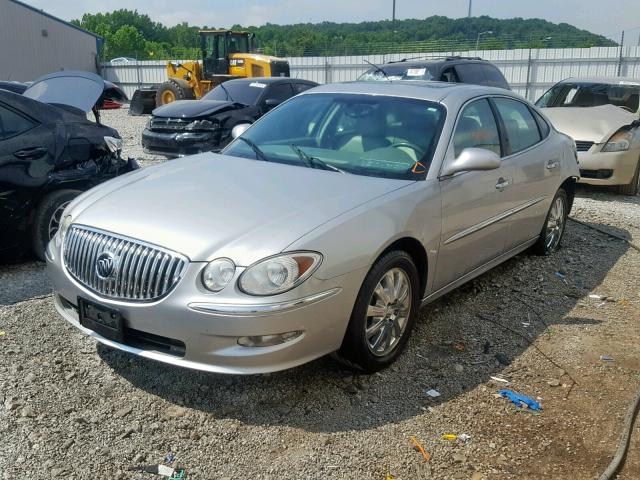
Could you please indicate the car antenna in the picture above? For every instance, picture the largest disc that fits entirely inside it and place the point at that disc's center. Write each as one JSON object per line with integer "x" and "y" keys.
{"x": 378, "y": 69}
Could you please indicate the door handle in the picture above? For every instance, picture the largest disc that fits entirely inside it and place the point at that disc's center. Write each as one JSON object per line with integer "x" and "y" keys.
{"x": 553, "y": 163}
{"x": 502, "y": 183}
{"x": 35, "y": 152}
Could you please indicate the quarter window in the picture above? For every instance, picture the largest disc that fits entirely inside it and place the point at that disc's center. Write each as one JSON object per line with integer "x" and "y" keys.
{"x": 12, "y": 123}
{"x": 476, "y": 128}
{"x": 542, "y": 123}
{"x": 520, "y": 126}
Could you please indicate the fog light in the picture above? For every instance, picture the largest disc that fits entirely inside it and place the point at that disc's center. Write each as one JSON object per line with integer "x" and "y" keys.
{"x": 268, "y": 340}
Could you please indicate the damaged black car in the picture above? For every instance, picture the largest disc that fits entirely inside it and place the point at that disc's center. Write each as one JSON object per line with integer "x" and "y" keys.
{"x": 50, "y": 152}
{"x": 187, "y": 127}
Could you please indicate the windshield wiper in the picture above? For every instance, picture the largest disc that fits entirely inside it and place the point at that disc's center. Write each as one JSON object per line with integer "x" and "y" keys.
{"x": 259, "y": 153}
{"x": 314, "y": 162}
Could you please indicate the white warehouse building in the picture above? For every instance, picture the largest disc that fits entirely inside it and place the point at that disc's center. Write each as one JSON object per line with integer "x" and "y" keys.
{"x": 33, "y": 43}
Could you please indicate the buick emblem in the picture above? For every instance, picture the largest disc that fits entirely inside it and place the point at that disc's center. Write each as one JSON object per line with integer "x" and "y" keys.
{"x": 105, "y": 265}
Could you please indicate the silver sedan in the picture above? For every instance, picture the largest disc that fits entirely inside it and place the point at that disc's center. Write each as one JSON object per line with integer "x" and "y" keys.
{"x": 321, "y": 229}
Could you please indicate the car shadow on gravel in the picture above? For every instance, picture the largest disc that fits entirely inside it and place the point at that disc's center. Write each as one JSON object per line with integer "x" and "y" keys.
{"x": 459, "y": 342}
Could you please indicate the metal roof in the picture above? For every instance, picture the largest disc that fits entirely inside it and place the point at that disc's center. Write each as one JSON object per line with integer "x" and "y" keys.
{"x": 48, "y": 15}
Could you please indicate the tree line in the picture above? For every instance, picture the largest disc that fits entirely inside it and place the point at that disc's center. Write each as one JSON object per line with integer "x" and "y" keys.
{"x": 132, "y": 34}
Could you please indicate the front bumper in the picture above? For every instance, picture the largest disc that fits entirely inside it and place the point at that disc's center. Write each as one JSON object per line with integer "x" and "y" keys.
{"x": 179, "y": 144}
{"x": 193, "y": 329}
{"x": 608, "y": 168}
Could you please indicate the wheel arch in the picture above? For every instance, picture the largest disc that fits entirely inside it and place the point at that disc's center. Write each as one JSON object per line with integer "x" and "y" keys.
{"x": 417, "y": 252}
{"x": 569, "y": 186}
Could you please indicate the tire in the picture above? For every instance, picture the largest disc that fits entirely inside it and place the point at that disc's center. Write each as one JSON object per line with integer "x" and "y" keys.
{"x": 47, "y": 218}
{"x": 633, "y": 187}
{"x": 358, "y": 349}
{"x": 546, "y": 245}
{"x": 173, "y": 90}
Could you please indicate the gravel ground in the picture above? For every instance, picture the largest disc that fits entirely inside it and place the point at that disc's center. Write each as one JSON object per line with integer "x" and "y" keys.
{"x": 70, "y": 408}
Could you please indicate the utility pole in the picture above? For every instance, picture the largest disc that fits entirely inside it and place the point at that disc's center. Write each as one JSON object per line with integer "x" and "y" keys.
{"x": 393, "y": 17}
{"x": 621, "y": 60}
{"x": 469, "y": 14}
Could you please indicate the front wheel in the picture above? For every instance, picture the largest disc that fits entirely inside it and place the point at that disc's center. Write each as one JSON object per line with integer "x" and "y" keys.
{"x": 384, "y": 313}
{"x": 47, "y": 218}
{"x": 554, "y": 225}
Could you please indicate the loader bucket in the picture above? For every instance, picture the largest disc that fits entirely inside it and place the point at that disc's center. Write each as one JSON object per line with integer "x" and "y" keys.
{"x": 143, "y": 101}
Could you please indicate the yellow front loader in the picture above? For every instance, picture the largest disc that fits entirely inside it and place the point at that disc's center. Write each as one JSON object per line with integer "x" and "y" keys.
{"x": 225, "y": 55}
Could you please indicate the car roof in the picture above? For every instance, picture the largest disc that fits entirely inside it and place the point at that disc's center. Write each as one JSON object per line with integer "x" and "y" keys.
{"x": 269, "y": 80}
{"x": 605, "y": 80}
{"x": 424, "y": 90}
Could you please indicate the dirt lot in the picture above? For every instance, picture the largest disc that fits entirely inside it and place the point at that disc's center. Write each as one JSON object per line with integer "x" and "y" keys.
{"x": 72, "y": 409}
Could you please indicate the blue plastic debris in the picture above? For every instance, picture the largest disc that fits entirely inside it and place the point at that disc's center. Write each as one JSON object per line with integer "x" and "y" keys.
{"x": 169, "y": 458}
{"x": 520, "y": 400}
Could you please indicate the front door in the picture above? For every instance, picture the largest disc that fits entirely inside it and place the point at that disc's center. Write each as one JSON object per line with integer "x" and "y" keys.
{"x": 473, "y": 203}
{"x": 25, "y": 163}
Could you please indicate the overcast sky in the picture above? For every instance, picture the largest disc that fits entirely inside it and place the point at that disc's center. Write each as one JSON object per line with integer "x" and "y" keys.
{"x": 592, "y": 15}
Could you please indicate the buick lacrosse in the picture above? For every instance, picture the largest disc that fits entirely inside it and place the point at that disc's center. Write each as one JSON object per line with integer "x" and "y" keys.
{"x": 323, "y": 228}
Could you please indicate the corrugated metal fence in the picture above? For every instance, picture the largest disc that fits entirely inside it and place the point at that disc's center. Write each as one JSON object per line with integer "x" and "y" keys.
{"x": 530, "y": 72}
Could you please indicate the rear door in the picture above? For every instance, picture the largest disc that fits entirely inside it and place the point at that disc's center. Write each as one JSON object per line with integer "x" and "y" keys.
{"x": 25, "y": 163}
{"x": 472, "y": 202}
{"x": 534, "y": 163}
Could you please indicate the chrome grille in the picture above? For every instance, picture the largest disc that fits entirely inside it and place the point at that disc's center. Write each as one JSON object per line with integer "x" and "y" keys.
{"x": 160, "y": 123}
{"x": 583, "y": 145}
{"x": 140, "y": 271}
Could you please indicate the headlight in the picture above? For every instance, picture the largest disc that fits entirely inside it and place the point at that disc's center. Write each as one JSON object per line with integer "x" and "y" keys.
{"x": 619, "y": 141}
{"x": 278, "y": 274}
{"x": 113, "y": 144}
{"x": 65, "y": 223}
{"x": 218, "y": 273}
{"x": 202, "y": 125}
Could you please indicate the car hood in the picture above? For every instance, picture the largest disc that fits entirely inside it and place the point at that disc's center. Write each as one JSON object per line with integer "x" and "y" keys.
{"x": 592, "y": 124}
{"x": 71, "y": 88}
{"x": 191, "y": 108}
{"x": 208, "y": 205}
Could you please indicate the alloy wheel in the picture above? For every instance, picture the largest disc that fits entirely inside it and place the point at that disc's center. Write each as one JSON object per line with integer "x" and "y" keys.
{"x": 56, "y": 218}
{"x": 555, "y": 224}
{"x": 388, "y": 312}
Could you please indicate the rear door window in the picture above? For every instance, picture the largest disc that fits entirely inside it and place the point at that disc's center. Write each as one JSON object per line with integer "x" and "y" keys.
{"x": 301, "y": 87}
{"x": 476, "y": 128}
{"x": 12, "y": 123}
{"x": 449, "y": 75}
{"x": 520, "y": 126}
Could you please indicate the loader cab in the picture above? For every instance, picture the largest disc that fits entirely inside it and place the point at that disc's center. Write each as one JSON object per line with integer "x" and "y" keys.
{"x": 217, "y": 45}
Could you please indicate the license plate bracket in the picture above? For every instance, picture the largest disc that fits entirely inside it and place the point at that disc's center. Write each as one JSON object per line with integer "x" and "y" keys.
{"x": 103, "y": 320}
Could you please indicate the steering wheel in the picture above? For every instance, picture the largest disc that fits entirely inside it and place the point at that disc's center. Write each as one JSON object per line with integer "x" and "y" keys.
{"x": 420, "y": 152}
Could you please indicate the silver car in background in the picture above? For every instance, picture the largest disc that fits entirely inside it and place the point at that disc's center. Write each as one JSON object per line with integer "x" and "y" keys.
{"x": 323, "y": 228}
{"x": 602, "y": 116}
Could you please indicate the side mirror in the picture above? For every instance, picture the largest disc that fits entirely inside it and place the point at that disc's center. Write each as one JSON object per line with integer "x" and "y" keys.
{"x": 272, "y": 102}
{"x": 473, "y": 159}
{"x": 239, "y": 130}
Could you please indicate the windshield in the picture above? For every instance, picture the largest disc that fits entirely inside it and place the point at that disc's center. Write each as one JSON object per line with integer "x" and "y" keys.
{"x": 378, "y": 136}
{"x": 247, "y": 93}
{"x": 397, "y": 72}
{"x": 579, "y": 94}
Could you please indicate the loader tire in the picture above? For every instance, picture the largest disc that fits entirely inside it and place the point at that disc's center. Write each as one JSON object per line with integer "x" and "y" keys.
{"x": 173, "y": 90}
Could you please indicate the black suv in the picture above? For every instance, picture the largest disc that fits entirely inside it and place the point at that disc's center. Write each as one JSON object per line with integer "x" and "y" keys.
{"x": 450, "y": 69}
